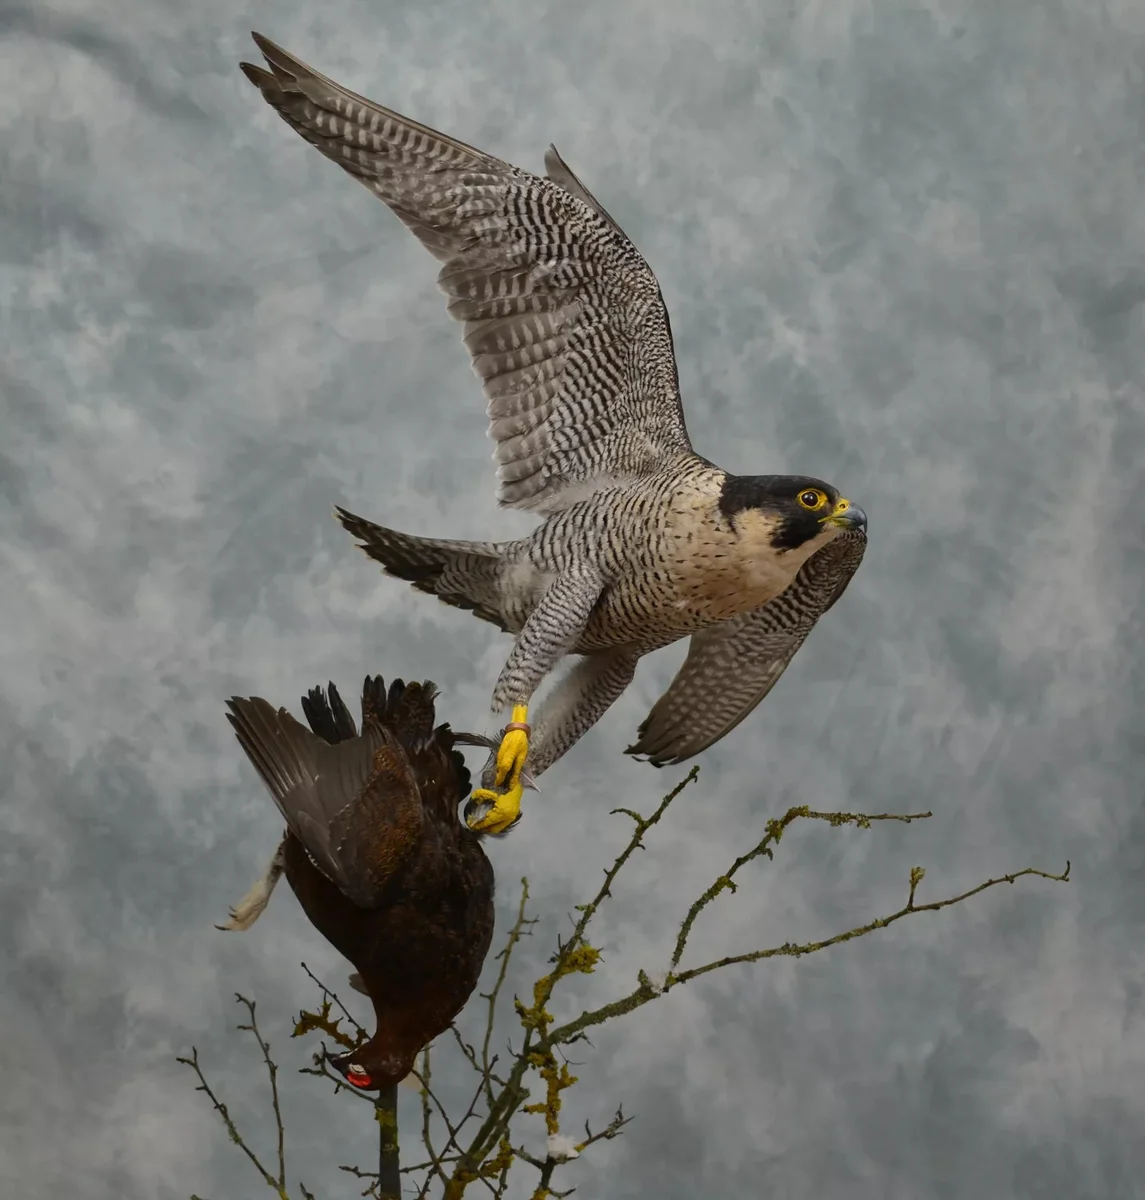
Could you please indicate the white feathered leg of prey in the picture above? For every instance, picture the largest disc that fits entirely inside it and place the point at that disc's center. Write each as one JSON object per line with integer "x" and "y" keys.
{"x": 251, "y": 906}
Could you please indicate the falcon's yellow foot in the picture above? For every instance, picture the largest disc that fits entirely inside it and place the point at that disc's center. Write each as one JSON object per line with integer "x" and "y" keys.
{"x": 504, "y": 809}
{"x": 503, "y": 813}
{"x": 514, "y": 747}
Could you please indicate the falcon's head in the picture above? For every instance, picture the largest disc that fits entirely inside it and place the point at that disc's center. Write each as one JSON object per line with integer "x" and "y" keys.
{"x": 789, "y": 511}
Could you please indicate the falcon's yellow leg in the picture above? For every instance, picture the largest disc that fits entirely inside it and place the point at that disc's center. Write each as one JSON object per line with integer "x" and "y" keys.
{"x": 511, "y": 755}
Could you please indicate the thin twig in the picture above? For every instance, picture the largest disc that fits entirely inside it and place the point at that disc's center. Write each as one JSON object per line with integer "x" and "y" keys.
{"x": 610, "y": 1131}
{"x": 645, "y": 992}
{"x": 469, "y": 1051}
{"x": 425, "y": 1166}
{"x": 519, "y": 930}
{"x": 272, "y": 1072}
{"x": 426, "y": 1121}
{"x": 763, "y": 849}
{"x": 643, "y": 824}
{"x": 221, "y": 1109}
{"x": 327, "y": 994}
{"x": 428, "y": 1091}
{"x": 793, "y": 950}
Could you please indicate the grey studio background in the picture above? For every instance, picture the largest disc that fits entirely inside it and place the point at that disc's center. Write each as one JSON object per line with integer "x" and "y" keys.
{"x": 903, "y": 247}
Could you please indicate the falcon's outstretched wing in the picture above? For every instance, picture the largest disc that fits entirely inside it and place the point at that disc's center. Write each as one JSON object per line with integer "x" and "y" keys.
{"x": 733, "y": 664}
{"x": 562, "y": 317}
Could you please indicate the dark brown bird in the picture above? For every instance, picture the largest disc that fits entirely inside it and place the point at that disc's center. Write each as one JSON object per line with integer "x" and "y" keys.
{"x": 377, "y": 855}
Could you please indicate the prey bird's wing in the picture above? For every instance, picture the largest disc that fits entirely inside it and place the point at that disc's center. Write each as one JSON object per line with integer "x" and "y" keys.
{"x": 343, "y": 802}
{"x": 733, "y": 664}
{"x": 562, "y": 317}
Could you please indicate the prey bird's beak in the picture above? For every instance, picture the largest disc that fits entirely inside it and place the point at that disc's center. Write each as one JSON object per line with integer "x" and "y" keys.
{"x": 846, "y": 515}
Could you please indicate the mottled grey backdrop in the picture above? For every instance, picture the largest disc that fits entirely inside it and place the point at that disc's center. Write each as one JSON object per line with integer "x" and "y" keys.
{"x": 903, "y": 246}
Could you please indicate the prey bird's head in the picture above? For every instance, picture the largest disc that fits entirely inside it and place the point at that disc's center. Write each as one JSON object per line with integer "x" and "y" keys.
{"x": 788, "y": 511}
{"x": 375, "y": 1065}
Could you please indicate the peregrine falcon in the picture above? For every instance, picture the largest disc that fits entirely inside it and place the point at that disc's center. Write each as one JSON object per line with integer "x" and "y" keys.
{"x": 377, "y": 855}
{"x": 643, "y": 541}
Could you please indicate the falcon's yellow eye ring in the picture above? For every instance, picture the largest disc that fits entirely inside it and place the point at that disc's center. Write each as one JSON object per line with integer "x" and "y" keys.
{"x": 812, "y": 499}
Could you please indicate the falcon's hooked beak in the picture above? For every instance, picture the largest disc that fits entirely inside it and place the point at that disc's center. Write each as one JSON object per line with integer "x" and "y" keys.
{"x": 846, "y": 515}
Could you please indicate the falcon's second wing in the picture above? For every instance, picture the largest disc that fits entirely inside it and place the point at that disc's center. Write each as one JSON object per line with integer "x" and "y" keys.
{"x": 733, "y": 664}
{"x": 562, "y": 317}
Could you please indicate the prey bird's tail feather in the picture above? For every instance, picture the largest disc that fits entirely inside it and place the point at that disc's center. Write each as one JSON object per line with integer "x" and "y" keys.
{"x": 464, "y": 574}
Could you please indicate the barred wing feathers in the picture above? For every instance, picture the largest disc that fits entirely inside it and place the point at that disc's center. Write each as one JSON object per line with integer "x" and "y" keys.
{"x": 563, "y": 319}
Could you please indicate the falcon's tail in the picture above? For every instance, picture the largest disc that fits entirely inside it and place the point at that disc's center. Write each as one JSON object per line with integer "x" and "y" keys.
{"x": 464, "y": 574}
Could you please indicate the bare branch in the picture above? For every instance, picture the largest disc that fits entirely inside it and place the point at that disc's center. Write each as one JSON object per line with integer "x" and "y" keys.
{"x": 321, "y": 1020}
{"x": 272, "y": 1072}
{"x": 588, "y": 911}
{"x": 646, "y": 992}
{"x": 547, "y": 1167}
{"x": 764, "y": 849}
{"x": 228, "y": 1121}
{"x": 790, "y": 949}
{"x": 432, "y": 1096}
{"x": 423, "y": 1078}
{"x": 521, "y": 926}
{"x": 469, "y": 1051}
{"x": 610, "y": 1131}
{"x": 328, "y": 994}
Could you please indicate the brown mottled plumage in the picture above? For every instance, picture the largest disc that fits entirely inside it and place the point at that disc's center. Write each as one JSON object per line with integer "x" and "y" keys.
{"x": 377, "y": 855}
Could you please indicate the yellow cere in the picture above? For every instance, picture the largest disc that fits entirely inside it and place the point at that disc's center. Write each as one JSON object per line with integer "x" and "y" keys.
{"x": 841, "y": 506}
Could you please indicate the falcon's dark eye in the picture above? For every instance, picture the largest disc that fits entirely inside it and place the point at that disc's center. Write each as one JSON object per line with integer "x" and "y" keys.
{"x": 812, "y": 499}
